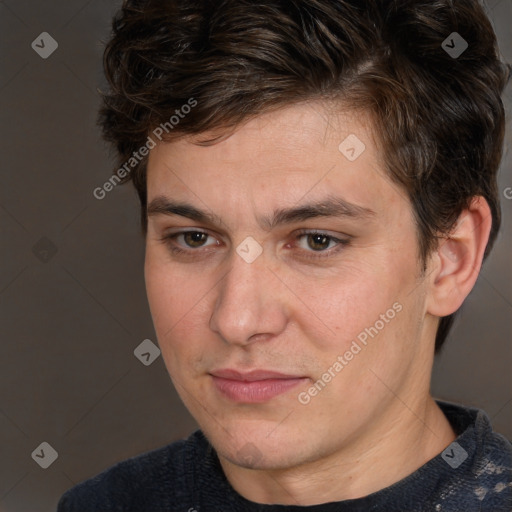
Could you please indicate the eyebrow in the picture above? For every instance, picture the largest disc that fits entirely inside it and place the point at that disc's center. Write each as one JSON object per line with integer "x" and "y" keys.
{"x": 331, "y": 206}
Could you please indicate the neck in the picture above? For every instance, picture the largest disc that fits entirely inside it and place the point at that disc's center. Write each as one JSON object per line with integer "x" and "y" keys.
{"x": 401, "y": 441}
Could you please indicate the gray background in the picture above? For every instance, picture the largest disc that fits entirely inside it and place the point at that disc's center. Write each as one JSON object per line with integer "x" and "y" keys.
{"x": 71, "y": 319}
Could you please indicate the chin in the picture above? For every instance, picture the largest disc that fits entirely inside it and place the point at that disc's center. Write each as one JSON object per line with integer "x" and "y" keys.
{"x": 259, "y": 446}
{"x": 252, "y": 457}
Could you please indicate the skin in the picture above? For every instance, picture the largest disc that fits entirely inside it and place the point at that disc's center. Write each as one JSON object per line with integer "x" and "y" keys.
{"x": 375, "y": 422}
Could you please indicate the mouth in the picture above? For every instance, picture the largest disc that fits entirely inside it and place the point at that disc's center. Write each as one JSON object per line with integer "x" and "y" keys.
{"x": 256, "y": 386}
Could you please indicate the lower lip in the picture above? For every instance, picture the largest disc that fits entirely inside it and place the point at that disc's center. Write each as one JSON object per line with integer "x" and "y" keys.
{"x": 256, "y": 391}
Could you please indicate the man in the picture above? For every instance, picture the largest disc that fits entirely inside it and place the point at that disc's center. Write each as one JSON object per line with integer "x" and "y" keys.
{"x": 318, "y": 190}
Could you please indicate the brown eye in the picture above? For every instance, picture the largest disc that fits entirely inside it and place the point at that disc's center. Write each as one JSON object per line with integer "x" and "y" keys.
{"x": 318, "y": 242}
{"x": 189, "y": 241}
{"x": 195, "y": 238}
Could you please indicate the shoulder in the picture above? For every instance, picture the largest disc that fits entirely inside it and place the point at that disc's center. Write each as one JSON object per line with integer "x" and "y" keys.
{"x": 484, "y": 477}
{"x": 493, "y": 450}
{"x": 475, "y": 429}
{"x": 152, "y": 479}
{"x": 493, "y": 461}
{"x": 491, "y": 470}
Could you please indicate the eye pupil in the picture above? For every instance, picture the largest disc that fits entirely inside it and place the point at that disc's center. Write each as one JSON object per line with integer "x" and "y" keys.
{"x": 318, "y": 242}
{"x": 195, "y": 238}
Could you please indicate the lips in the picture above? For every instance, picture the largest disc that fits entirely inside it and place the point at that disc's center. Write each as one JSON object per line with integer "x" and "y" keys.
{"x": 252, "y": 376}
{"x": 256, "y": 386}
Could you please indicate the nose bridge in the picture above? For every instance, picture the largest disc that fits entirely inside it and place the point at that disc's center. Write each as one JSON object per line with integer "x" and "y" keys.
{"x": 245, "y": 305}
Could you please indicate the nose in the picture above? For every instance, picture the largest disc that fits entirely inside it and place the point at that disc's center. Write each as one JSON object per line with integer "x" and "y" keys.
{"x": 250, "y": 305}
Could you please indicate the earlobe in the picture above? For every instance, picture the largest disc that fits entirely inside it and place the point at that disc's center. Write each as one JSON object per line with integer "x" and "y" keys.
{"x": 458, "y": 259}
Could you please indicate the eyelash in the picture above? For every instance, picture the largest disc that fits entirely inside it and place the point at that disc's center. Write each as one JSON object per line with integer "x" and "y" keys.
{"x": 169, "y": 240}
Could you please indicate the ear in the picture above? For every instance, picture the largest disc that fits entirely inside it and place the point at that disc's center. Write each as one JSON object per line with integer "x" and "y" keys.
{"x": 455, "y": 265}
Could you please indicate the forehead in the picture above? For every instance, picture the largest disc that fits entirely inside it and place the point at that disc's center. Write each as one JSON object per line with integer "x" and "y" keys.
{"x": 303, "y": 152}
{"x": 293, "y": 130}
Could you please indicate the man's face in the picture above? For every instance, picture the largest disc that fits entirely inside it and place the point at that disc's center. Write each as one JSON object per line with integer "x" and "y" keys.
{"x": 349, "y": 294}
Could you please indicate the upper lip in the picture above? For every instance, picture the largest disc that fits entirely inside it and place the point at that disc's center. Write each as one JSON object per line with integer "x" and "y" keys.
{"x": 252, "y": 375}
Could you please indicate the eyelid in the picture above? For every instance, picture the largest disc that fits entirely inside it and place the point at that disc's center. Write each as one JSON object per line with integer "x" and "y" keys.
{"x": 172, "y": 235}
{"x": 325, "y": 232}
{"x": 340, "y": 243}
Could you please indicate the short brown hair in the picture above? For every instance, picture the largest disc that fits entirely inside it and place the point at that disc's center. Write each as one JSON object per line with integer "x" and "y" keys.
{"x": 440, "y": 118}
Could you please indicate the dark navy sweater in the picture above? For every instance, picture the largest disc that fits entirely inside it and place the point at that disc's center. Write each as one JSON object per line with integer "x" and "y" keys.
{"x": 474, "y": 474}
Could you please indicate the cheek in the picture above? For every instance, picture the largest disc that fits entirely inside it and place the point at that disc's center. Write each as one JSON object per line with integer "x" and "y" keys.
{"x": 340, "y": 307}
{"x": 177, "y": 301}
